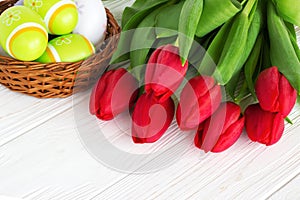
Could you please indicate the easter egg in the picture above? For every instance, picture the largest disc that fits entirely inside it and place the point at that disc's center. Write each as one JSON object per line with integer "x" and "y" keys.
{"x": 67, "y": 48}
{"x": 20, "y": 2}
{"x": 23, "y": 33}
{"x": 60, "y": 16}
{"x": 92, "y": 20}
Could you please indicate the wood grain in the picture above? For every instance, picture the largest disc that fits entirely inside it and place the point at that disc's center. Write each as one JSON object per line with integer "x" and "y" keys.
{"x": 289, "y": 191}
{"x": 42, "y": 157}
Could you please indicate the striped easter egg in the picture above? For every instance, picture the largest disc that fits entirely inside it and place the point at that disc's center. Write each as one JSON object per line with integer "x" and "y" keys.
{"x": 67, "y": 48}
{"x": 23, "y": 33}
{"x": 60, "y": 16}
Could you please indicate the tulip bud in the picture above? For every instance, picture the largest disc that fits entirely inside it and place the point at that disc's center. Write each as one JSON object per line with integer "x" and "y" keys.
{"x": 199, "y": 99}
{"x": 221, "y": 130}
{"x": 164, "y": 72}
{"x": 274, "y": 92}
{"x": 115, "y": 92}
{"x": 151, "y": 118}
{"x": 263, "y": 126}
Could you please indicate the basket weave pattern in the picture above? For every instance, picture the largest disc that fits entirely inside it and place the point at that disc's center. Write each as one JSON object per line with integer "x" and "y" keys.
{"x": 56, "y": 80}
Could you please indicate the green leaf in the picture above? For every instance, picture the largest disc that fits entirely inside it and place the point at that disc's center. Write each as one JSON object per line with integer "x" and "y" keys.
{"x": 167, "y": 20}
{"x": 215, "y": 13}
{"x": 289, "y": 10}
{"x": 257, "y": 22}
{"x": 233, "y": 49}
{"x": 145, "y": 35}
{"x": 169, "y": 16}
{"x": 214, "y": 51}
{"x": 138, "y": 6}
{"x": 189, "y": 19}
{"x": 132, "y": 17}
{"x": 282, "y": 50}
{"x": 252, "y": 64}
{"x": 143, "y": 38}
{"x": 230, "y": 60}
{"x": 293, "y": 37}
{"x": 288, "y": 120}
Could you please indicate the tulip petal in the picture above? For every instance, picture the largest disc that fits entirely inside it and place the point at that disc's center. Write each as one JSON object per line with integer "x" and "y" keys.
{"x": 221, "y": 130}
{"x": 124, "y": 94}
{"x": 198, "y": 138}
{"x": 287, "y": 96}
{"x": 263, "y": 126}
{"x": 98, "y": 92}
{"x": 254, "y": 119}
{"x": 233, "y": 113}
{"x": 267, "y": 89}
{"x": 154, "y": 56}
{"x": 277, "y": 130}
{"x": 199, "y": 99}
{"x": 230, "y": 136}
{"x": 209, "y": 103}
{"x": 105, "y": 101}
{"x": 202, "y": 84}
{"x": 151, "y": 118}
{"x": 188, "y": 115}
{"x": 164, "y": 72}
{"x": 214, "y": 127}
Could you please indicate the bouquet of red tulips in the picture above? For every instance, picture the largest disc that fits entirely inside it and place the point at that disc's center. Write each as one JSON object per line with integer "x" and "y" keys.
{"x": 254, "y": 46}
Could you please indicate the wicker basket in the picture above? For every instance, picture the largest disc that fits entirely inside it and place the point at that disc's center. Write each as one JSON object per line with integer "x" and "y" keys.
{"x": 56, "y": 80}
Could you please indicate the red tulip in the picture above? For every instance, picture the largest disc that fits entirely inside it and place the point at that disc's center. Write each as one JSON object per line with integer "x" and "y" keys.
{"x": 164, "y": 72}
{"x": 274, "y": 92}
{"x": 151, "y": 118}
{"x": 221, "y": 130}
{"x": 199, "y": 99}
{"x": 263, "y": 126}
{"x": 115, "y": 92}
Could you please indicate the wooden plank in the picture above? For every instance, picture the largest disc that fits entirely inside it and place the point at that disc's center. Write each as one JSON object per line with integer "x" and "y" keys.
{"x": 41, "y": 157}
{"x": 289, "y": 191}
{"x": 50, "y": 161}
{"x": 21, "y": 113}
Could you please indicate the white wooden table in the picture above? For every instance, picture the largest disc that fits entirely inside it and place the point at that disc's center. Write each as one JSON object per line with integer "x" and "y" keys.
{"x": 43, "y": 157}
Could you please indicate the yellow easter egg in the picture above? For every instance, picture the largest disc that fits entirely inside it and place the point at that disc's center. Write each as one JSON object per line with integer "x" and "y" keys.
{"x": 23, "y": 33}
{"x": 60, "y": 16}
{"x": 67, "y": 48}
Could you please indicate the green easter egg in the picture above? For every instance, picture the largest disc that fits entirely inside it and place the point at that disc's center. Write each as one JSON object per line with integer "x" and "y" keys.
{"x": 23, "y": 33}
{"x": 61, "y": 17}
{"x": 67, "y": 48}
{"x": 28, "y": 43}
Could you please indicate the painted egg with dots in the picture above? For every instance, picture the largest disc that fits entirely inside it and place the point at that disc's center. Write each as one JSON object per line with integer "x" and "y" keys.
{"x": 23, "y": 33}
{"x": 95, "y": 29}
{"x": 67, "y": 48}
{"x": 60, "y": 16}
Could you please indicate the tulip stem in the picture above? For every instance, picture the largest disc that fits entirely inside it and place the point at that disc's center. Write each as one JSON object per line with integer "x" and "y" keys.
{"x": 249, "y": 6}
{"x": 289, "y": 120}
{"x": 243, "y": 93}
{"x": 243, "y": 2}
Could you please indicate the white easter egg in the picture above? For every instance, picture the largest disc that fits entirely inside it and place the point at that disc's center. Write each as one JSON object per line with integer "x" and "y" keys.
{"x": 92, "y": 20}
{"x": 20, "y": 3}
